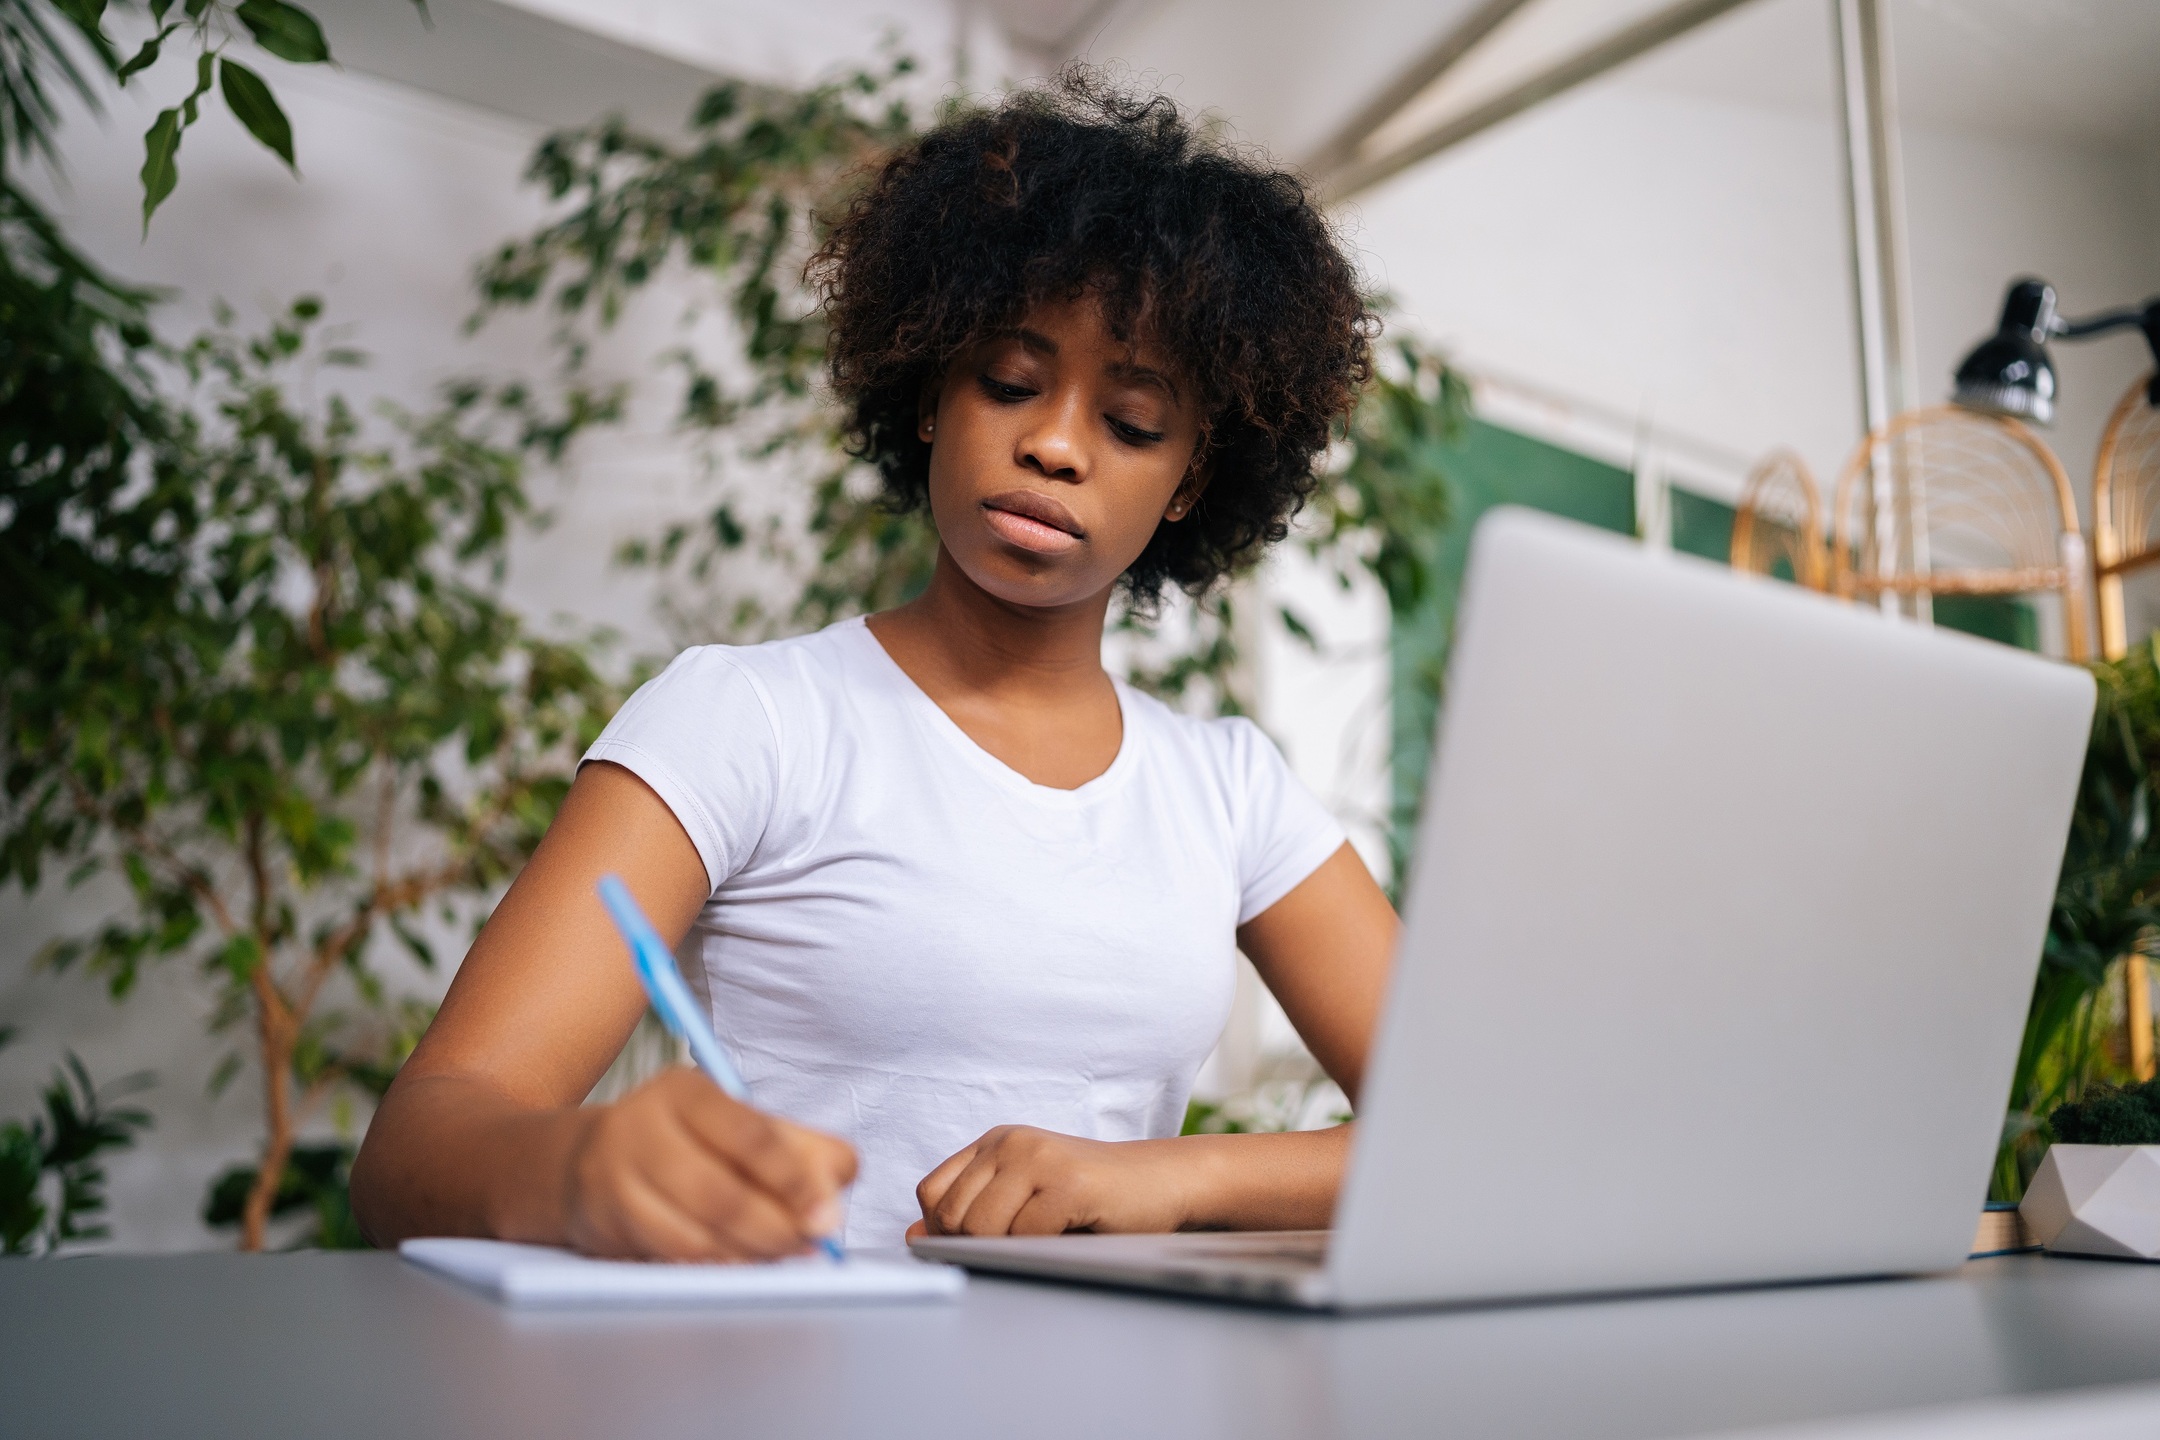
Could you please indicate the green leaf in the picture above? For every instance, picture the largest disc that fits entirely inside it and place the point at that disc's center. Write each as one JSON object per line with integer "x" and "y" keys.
{"x": 228, "y": 1068}
{"x": 160, "y": 171}
{"x": 421, "y": 951}
{"x": 286, "y": 31}
{"x": 203, "y": 65}
{"x": 238, "y": 958}
{"x": 255, "y": 107}
{"x": 144, "y": 58}
{"x": 22, "y": 1167}
{"x": 87, "y": 14}
{"x": 1299, "y": 630}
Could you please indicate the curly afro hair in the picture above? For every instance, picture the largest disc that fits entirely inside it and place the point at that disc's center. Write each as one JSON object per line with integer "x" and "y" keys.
{"x": 1224, "y": 263}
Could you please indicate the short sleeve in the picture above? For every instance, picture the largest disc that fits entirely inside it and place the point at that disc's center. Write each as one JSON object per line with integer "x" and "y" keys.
{"x": 702, "y": 734}
{"x": 1284, "y": 833}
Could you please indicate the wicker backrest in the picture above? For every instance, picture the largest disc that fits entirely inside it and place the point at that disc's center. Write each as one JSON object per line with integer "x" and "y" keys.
{"x": 2126, "y": 506}
{"x": 1779, "y": 524}
{"x": 1976, "y": 505}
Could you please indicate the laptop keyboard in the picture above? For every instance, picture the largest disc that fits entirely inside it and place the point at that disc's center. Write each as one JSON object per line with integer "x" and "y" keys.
{"x": 1303, "y": 1249}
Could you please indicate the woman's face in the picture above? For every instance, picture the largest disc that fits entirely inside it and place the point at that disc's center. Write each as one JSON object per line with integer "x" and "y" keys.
{"x": 1055, "y": 452}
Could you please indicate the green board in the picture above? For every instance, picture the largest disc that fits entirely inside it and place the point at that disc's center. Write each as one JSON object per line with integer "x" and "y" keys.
{"x": 1487, "y": 466}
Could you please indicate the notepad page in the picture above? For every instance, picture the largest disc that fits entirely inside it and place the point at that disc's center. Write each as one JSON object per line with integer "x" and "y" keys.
{"x": 544, "y": 1275}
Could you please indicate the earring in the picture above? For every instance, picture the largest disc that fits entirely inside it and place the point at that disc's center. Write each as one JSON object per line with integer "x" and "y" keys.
{"x": 929, "y": 428}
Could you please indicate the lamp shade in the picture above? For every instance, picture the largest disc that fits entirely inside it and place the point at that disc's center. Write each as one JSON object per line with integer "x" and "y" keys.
{"x": 2009, "y": 373}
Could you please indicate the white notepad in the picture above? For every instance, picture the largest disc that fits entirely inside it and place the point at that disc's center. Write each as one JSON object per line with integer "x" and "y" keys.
{"x": 543, "y": 1275}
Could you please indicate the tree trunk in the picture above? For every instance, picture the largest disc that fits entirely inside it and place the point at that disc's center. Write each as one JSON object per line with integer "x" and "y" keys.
{"x": 276, "y": 1037}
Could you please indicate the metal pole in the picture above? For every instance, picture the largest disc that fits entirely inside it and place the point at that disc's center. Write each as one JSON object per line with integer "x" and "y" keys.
{"x": 1355, "y": 177}
{"x": 1882, "y": 292}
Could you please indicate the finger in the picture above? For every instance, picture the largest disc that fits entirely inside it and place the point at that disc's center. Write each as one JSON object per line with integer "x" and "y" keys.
{"x": 652, "y": 1228}
{"x": 802, "y": 1177}
{"x": 731, "y": 1207}
{"x": 840, "y": 1157}
{"x": 837, "y": 1157}
{"x": 932, "y": 1187}
{"x": 1047, "y": 1212}
{"x": 994, "y": 1205}
{"x": 916, "y": 1231}
{"x": 959, "y": 1197}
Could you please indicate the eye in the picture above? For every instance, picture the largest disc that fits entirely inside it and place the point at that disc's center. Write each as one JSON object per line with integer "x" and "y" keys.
{"x": 1132, "y": 434}
{"x": 1005, "y": 391}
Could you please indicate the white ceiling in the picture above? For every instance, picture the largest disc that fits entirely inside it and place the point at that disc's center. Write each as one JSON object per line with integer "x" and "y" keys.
{"x": 1286, "y": 73}
{"x": 1046, "y": 24}
{"x": 2078, "y": 71}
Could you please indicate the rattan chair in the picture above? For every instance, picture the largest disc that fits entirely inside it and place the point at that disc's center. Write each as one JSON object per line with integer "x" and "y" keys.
{"x": 1976, "y": 505}
{"x": 1780, "y": 523}
{"x": 2126, "y": 537}
{"x": 2126, "y": 508}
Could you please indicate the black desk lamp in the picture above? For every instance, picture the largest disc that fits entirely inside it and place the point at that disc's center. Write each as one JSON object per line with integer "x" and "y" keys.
{"x": 2009, "y": 373}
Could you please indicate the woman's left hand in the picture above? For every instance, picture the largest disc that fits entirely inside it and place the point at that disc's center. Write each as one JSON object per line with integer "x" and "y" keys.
{"x": 1018, "y": 1180}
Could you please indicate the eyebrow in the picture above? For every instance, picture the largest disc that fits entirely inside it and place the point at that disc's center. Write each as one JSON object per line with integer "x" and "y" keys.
{"x": 1042, "y": 344}
{"x": 1145, "y": 375}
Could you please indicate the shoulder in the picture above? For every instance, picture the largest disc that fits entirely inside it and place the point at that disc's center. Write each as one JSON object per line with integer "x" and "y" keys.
{"x": 786, "y": 678}
{"x": 729, "y": 736}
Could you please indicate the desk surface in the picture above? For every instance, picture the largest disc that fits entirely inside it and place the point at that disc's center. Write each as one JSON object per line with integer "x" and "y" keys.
{"x": 327, "y": 1345}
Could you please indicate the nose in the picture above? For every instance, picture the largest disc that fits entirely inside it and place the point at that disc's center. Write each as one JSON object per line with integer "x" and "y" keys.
{"x": 1055, "y": 446}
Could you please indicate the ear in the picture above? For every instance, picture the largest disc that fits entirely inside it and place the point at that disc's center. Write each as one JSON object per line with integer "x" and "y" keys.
{"x": 1188, "y": 493}
{"x": 926, "y": 409}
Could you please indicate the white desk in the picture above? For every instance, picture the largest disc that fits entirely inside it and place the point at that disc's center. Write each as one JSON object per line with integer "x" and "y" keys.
{"x": 316, "y": 1347}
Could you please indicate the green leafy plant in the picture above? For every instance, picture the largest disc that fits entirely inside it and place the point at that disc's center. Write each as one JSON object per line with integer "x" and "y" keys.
{"x": 209, "y": 29}
{"x": 2111, "y": 1115}
{"x": 2107, "y": 905}
{"x": 1268, "y": 1108}
{"x": 288, "y": 709}
{"x": 52, "y": 1184}
{"x": 316, "y": 1182}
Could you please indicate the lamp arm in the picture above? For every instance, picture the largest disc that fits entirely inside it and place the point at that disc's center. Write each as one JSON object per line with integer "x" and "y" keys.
{"x": 2145, "y": 317}
{"x": 2129, "y": 317}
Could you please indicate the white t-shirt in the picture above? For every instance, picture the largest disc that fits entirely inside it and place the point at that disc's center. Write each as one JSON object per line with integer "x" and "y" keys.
{"x": 909, "y": 943}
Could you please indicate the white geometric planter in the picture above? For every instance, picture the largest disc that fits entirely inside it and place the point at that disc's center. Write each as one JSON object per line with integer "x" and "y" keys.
{"x": 2097, "y": 1200}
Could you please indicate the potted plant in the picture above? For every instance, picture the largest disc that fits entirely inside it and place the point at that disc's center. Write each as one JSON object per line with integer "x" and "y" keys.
{"x": 2097, "y": 1191}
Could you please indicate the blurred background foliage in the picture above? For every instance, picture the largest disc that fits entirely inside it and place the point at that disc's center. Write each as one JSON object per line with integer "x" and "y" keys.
{"x": 257, "y": 667}
{"x": 52, "y": 1182}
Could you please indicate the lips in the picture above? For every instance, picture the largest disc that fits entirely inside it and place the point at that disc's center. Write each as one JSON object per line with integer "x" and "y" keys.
{"x": 1033, "y": 521}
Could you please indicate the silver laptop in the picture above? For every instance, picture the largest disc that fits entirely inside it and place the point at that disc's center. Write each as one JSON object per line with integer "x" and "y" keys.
{"x": 1724, "y": 915}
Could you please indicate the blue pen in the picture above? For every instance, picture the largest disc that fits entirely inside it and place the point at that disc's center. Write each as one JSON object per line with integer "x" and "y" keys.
{"x": 655, "y": 965}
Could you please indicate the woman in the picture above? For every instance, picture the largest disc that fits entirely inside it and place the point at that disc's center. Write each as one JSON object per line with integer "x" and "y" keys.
{"x": 962, "y": 905}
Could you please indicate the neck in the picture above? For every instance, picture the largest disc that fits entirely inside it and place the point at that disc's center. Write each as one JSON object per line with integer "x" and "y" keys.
{"x": 964, "y": 636}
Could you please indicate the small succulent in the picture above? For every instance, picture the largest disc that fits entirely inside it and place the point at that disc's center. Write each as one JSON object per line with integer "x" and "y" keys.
{"x": 2108, "y": 1115}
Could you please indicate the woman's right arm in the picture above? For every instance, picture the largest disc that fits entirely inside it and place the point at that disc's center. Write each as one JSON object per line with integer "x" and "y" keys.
{"x": 483, "y": 1131}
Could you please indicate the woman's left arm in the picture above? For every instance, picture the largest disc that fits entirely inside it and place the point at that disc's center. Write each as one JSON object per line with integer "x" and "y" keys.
{"x": 1324, "y": 950}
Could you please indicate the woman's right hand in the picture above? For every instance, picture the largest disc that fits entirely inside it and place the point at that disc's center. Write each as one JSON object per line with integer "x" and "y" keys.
{"x": 676, "y": 1170}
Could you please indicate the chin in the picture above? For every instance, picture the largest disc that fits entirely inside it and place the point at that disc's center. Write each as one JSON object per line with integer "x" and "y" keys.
{"x": 1018, "y": 578}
